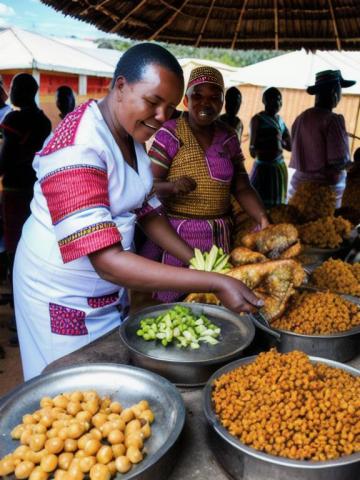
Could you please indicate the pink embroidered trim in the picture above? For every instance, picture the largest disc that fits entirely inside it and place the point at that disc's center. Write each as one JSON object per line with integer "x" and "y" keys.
{"x": 68, "y": 190}
{"x": 66, "y": 320}
{"x": 88, "y": 240}
{"x": 65, "y": 132}
{"x": 98, "y": 302}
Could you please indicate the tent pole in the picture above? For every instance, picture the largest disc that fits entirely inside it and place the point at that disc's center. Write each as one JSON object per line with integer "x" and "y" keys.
{"x": 338, "y": 43}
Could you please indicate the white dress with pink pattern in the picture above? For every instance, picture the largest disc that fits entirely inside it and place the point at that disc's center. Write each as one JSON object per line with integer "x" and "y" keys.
{"x": 86, "y": 198}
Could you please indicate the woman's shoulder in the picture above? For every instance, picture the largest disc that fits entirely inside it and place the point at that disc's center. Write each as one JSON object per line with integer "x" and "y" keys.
{"x": 84, "y": 126}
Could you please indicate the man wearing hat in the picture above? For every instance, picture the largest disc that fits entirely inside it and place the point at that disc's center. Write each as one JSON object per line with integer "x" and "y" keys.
{"x": 320, "y": 147}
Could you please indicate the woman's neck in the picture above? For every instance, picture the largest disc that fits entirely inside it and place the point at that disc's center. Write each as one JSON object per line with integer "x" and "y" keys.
{"x": 118, "y": 132}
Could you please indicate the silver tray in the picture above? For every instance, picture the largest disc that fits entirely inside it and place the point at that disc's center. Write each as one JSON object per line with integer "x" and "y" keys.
{"x": 183, "y": 366}
{"x": 247, "y": 463}
{"x": 124, "y": 383}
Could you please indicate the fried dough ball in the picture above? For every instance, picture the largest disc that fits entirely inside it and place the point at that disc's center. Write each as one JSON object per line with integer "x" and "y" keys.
{"x": 318, "y": 313}
{"x": 326, "y": 232}
{"x": 338, "y": 276}
{"x": 284, "y": 405}
{"x": 313, "y": 201}
{"x": 78, "y": 433}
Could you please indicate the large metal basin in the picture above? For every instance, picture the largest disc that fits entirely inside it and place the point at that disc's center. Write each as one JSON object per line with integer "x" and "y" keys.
{"x": 245, "y": 463}
{"x": 124, "y": 383}
{"x": 340, "y": 346}
{"x": 186, "y": 367}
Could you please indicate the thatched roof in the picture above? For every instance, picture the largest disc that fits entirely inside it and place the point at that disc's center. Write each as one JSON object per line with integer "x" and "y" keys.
{"x": 237, "y": 24}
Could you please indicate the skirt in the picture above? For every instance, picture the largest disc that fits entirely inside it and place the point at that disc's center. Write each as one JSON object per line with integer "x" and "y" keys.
{"x": 198, "y": 233}
{"x": 270, "y": 180}
{"x": 59, "y": 311}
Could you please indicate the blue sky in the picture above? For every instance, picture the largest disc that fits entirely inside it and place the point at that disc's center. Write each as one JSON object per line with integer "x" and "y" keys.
{"x": 35, "y": 16}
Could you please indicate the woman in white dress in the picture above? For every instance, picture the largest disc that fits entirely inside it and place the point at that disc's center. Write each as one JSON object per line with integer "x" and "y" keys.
{"x": 75, "y": 261}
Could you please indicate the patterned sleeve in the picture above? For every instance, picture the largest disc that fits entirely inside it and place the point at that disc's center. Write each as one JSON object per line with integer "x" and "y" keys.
{"x": 233, "y": 146}
{"x": 77, "y": 197}
{"x": 338, "y": 152}
{"x": 162, "y": 151}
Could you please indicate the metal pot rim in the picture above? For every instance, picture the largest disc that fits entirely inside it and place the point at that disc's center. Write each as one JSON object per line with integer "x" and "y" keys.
{"x": 282, "y": 461}
{"x": 329, "y": 336}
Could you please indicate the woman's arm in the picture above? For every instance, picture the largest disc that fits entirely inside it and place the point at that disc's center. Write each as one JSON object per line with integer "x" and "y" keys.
{"x": 248, "y": 198}
{"x": 159, "y": 230}
{"x": 132, "y": 271}
{"x": 286, "y": 140}
{"x": 180, "y": 186}
{"x": 254, "y": 126}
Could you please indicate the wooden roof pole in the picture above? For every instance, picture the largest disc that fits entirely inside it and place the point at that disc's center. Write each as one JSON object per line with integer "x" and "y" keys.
{"x": 276, "y": 25}
{"x": 95, "y": 7}
{"x": 338, "y": 42}
{"x": 204, "y": 24}
{"x": 237, "y": 29}
{"x": 173, "y": 16}
{"x": 123, "y": 20}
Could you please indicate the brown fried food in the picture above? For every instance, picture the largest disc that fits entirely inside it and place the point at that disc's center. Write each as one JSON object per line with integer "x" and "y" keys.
{"x": 273, "y": 240}
{"x": 326, "y": 232}
{"x": 272, "y": 281}
{"x": 285, "y": 405}
{"x": 292, "y": 251}
{"x": 313, "y": 200}
{"x": 337, "y": 276}
{"x": 284, "y": 214}
{"x": 209, "y": 298}
{"x": 245, "y": 256}
{"x": 319, "y": 313}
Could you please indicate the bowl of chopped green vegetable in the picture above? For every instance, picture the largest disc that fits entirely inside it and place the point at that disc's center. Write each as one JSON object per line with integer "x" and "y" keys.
{"x": 185, "y": 342}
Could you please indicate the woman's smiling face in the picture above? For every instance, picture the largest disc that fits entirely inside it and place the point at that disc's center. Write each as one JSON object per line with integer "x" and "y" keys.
{"x": 143, "y": 106}
{"x": 204, "y": 102}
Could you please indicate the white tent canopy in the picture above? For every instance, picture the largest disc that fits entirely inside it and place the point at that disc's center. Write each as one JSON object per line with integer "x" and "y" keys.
{"x": 21, "y": 49}
{"x": 297, "y": 70}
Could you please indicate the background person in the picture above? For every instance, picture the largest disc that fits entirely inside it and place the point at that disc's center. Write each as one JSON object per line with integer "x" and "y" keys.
{"x": 197, "y": 162}
{"x": 4, "y": 107}
{"x": 233, "y": 100}
{"x": 320, "y": 150}
{"x": 24, "y": 133}
{"x": 65, "y": 100}
{"x": 268, "y": 137}
{"x": 74, "y": 262}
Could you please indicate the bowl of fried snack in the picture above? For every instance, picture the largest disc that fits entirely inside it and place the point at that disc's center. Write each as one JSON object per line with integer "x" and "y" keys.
{"x": 318, "y": 323}
{"x": 97, "y": 421}
{"x": 285, "y": 416}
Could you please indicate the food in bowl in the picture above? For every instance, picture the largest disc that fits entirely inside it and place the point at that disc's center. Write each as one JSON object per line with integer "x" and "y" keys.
{"x": 318, "y": 313}
{"x": 79, "y": 433}
{"x": 338, "y": 276}
{"x": 326, "y": 232}
{"x": 179, "y": 325}
{"x": 285, "y": 405}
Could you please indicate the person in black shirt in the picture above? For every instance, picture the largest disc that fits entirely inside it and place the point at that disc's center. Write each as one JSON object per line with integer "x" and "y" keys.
{"x": 25, "y": 131}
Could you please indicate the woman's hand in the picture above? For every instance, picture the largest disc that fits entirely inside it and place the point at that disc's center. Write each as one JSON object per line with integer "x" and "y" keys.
{"x": 236, "y": 296}
{"x": 264, "y": 222}
{"x": 184, "y": 185}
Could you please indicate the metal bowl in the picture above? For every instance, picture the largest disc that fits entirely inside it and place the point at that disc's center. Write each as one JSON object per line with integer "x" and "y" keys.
{"x": 339, "y": 346}
{"x": 186, "y": 367}
{"x": 124, "y": 383}
{"x": 243, "y": 462}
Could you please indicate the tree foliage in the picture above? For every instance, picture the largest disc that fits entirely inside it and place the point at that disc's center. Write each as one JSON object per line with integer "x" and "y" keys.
{"x": 235, "y": 58}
